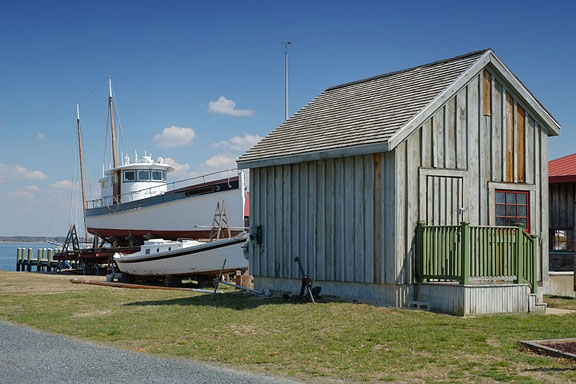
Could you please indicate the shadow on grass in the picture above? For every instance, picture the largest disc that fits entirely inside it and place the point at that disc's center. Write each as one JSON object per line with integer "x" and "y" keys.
{"x": 547, "y": 370}
{"x": 560, "y": 297}
{"x": 232, "y": 300}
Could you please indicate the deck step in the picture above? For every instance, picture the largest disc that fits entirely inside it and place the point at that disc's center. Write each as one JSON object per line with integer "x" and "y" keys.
{"x": 535, "y": 305}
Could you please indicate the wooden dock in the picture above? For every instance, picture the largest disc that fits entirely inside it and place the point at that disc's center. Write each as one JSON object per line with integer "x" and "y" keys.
{"x": 43, "y": 260}
{"x": 55, "y": 259}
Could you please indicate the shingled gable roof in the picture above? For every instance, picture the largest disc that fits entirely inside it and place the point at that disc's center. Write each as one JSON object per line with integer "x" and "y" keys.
{"x": 378, "y": 113}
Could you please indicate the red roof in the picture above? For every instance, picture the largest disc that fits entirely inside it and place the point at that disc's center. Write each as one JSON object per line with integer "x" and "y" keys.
{"x": 562, "y": 170}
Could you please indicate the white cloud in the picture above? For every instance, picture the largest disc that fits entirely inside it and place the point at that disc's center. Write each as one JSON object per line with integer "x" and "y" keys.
{"x": 32, "y": 188}
{"x": 20, "y": 195}
{"x": 185, "y": 172}
{"x": 24, "y": 193}
{"x": 40, "y": 135}
{"x": 27, "y": 174}
{"x": 173, "y": 137}
{"x": 238, "y": 143}
{"x": 15, "y": 172}
{"x": 62, "y": 185}
{"x": 181, "y": 171}
{"x": 226, "y": 106}
{"x": 220, "y": 162}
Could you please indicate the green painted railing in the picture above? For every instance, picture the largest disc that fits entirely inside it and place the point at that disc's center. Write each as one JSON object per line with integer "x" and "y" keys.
{"x": 464, "y": 252}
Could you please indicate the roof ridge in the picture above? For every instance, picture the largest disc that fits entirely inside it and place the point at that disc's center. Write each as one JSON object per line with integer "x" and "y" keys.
{"x": 409, "y": 69}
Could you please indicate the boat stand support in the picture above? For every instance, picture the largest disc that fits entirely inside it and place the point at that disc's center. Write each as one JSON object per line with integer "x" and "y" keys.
{"x": 218, "y": 280}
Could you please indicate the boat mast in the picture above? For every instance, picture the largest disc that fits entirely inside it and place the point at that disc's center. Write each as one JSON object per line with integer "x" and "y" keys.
{"x": 81, "y": 170}
{"x": 111, "y": 106}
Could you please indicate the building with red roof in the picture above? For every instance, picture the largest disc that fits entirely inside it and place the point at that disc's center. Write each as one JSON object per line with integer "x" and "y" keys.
{"x": 562, "y": 192}
{"x": 562, "y": 170}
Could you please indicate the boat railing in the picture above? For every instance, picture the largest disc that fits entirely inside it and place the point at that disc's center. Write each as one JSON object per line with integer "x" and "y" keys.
{"x": 157, "y": 190}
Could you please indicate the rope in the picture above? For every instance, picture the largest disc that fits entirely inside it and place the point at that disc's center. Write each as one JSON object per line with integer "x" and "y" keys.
{"x": 91, "y": 92}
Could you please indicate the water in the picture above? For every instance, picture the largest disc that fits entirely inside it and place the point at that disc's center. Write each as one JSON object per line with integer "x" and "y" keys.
{"x": 8, "y": 253}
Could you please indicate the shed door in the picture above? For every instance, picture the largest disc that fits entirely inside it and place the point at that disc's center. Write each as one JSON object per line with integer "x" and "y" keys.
{"x": 444, "y": 200}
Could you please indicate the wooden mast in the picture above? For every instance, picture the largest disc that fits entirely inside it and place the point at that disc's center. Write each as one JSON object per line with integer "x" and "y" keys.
{"x": 111, "y": 106}
{"x": 81, "y": 170}
{"x": 116, "y": 185}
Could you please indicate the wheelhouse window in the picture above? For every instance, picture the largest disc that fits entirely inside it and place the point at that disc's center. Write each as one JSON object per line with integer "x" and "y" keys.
{"x": 512, "y": 207}
{"x": 158, "y": 175}
{"x": 143, "y": 175}
{"x": 129, "y": 176}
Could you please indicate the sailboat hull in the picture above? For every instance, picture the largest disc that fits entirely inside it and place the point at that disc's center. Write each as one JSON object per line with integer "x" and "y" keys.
{"x": 200, "y": 259}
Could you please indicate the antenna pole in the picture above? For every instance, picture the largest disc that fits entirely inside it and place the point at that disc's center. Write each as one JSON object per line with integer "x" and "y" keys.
{"x": 81, "y": 171}
{"x": 286, "y": 79}
{"x": 111, "y": 106}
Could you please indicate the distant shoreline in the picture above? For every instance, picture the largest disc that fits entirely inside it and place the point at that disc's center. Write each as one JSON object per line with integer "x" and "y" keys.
{"x": 31, "y": 239}
{"x": 24, "y": 241}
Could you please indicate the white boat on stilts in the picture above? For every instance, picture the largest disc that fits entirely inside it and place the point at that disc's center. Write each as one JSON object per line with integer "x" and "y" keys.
{"x": 137, "y": 203}
{"x": 160, "y": 258}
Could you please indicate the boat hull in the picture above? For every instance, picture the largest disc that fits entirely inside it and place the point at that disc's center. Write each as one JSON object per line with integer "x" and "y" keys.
{"x": 172, "y": 216}
{"x": 205, "y": 259}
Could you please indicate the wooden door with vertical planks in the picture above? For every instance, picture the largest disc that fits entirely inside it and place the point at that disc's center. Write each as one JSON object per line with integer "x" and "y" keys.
{"x": 444, "y": 200}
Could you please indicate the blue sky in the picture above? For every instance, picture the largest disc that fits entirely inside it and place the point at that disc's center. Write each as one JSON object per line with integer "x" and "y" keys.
{"x": 211, "y": 74}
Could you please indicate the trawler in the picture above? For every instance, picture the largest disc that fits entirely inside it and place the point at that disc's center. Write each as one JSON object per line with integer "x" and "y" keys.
{"x": 137, "y": 203}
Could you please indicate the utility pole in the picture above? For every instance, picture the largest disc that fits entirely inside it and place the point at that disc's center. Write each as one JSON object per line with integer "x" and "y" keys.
{"x": 286, "y": 79}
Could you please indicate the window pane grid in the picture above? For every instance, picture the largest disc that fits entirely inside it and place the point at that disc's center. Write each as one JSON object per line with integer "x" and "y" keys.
{"x": 512, "y": 208}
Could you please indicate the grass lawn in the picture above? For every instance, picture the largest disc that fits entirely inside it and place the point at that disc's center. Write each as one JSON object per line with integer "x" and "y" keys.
{"x": 315, "y": 343}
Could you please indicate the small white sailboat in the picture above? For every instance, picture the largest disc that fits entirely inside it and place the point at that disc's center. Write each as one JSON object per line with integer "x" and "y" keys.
{"x": 159, "y": 257}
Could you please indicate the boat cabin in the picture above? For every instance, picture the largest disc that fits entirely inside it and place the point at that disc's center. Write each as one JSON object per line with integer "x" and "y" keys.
{"x": 425, "y": 187}
{"x": 134, "y": 181}
{"x": 160, "y": 245}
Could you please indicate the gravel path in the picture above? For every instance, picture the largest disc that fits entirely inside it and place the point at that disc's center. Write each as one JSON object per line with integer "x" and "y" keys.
{"x": 30, "y": 356}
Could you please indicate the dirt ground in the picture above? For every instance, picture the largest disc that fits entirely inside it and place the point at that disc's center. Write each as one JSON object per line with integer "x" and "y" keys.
{"x": 566, "y": 346}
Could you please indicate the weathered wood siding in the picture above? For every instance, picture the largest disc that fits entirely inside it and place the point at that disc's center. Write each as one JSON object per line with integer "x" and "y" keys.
{"x": 337, "y": 215}
{"x": 353, "y": 219}
{"x": 562, "y": 200}
{"x": 474, "y": 300}
{"x": 486, "y": 134}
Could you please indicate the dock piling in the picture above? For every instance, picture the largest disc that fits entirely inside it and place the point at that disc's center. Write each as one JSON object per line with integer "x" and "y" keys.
{"x": 18, "y": 259}
{"x": 29, "y": 260}
{"x": 44, "y": 261}
{"x": 50, "y": 265}
{"x": 38, "y": 260}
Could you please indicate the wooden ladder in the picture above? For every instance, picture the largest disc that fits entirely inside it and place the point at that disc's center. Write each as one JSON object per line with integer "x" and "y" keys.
{"x": 220, "y": 222}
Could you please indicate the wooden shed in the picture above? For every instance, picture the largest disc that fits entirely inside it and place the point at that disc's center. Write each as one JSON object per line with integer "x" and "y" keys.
{"x": 562, "y": 187}
{"x": 404, "y": 189}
